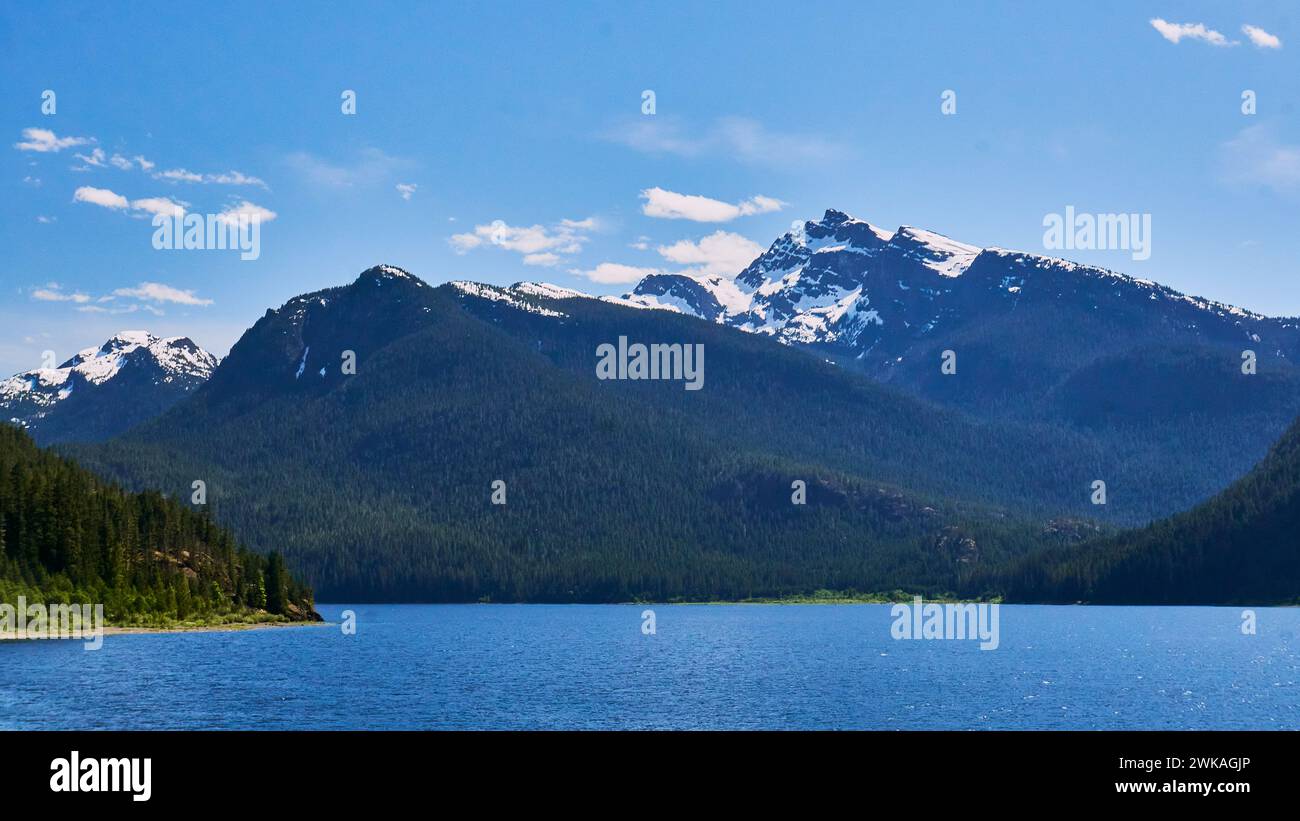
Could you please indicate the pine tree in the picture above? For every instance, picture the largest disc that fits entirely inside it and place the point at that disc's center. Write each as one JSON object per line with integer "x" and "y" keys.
{"x": 275, "y": 583}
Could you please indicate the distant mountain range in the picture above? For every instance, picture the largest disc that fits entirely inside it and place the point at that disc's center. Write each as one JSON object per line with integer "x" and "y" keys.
{"x": 377, "y": 485}
{"x": 1033, "y": 336}
{"x": 822, "y": 365}
{"x": 103, "y": 391}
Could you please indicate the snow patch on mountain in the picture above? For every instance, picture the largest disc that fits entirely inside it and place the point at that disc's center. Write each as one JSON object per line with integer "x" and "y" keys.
{"x": 944, "y": 256}
{"x": 507, "y": 296}
{"x": 547, "y": 291}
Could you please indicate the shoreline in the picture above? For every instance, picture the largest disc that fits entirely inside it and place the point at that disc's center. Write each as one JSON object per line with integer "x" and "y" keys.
{"x": 110, "y": 630}
{"x": 113, "y": 630}
{"x": 793, "y": 602}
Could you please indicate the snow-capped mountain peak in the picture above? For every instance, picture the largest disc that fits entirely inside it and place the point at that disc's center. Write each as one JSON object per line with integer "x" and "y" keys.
{"x": 384, "y": 272}
{"x": 842, "y": 283}
{"x": 161, "y": 371}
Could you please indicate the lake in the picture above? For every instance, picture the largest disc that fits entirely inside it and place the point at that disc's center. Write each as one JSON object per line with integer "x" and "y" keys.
{"x": 706, "y": 666}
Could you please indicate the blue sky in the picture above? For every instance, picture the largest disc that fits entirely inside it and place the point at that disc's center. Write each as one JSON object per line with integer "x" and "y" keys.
{"x": 531, "y": 114}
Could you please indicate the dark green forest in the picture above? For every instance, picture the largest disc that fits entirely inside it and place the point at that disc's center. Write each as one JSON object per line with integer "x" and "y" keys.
{"x": 1241, "y": 547}
{"x": 67, "y": 537}
{"x": 377, "y": 485}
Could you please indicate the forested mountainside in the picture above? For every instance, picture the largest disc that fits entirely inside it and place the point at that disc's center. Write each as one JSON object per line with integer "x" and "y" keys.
{"x": 369, "y": 430}
{"x": 378, "y": 484}
{"x": 1241, "y": 547}
{"x": 66, "y": 536}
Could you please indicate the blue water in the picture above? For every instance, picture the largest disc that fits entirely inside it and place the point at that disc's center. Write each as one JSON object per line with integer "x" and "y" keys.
{"x": 744, "y": 666}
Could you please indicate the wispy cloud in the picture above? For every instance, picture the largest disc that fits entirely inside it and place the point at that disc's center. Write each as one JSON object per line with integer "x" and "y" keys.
{"x": 53, "y": 292}
{"x": 45, "y": 141}
{"x": 538, "y": 244}
{"x": 146, "y": 296}
{"x": 158, "y": 292}
{"x": 1257, "y": 157}
{"x": 672, "y": 205}
{"x": 371, "y": 166}
{"x": 737, "y": 138}
{"x": 95, "y": 159}
{"x": 227, "y": 178}
{"x": 120, "y": 309}
{"x": 1261, "y": 38}
{"x": 1174, "y": 32}
{"x": 406, "y": 189}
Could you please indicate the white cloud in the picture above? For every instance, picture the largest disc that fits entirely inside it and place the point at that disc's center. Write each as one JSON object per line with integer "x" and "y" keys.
{"x": 144, "y": 164}
{"x": 99, "y": 196}
{"x": 719, "y": 253}
{"x": 1256, "y": 157}
{"x": 44, "y": 140}
{"x": 111, "y": 199}
{"x": 159, "y": 205}
{"x": 233, "y": 178}
{"x": 94, "y": 158}
{"x": 613, "y": 273}
{"x": 1261, "y": 38}
{"x": 121, "y": 162}
{"x": 157, "y": 292}
{"x": 406, "y": 189}
{"x": 736, "y": 138}
{"x": 1173, "y": 32}
{"x": 246, "y": 210}
{"x": 52, "y": 292}
{"x": 671, "y": 205}
{"x": 465, "y": 242}
{"x": 147, "y": 296}
{"x": 228, "y": 178}
{"x": 539, "y": 244}
{"x": 178, "y": 175}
